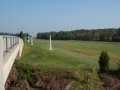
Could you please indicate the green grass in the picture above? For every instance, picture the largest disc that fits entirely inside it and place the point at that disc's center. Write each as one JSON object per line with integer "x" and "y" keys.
{"x": 68, "y": 53}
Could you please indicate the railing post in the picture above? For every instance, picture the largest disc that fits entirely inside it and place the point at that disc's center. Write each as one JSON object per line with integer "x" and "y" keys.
{"x": 15, "y": 40}
{"x": 1, "y": 64}
{"x": 6, "y": 44}
{"x": 11, "y": 41}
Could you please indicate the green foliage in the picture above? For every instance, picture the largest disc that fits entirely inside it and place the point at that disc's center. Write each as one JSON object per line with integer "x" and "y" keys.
{"x": 21, "y": 35}
{"x": 58, "y": 73}
{"x": 82, "y": 34}
{"x": 118, "y": 64}
{"x": 25, "y": 71}
{"x": 116, "y": 37}
{"x": 104, "y": 62}
{"x": 28, "y": 72}
{"x": 3, "y": 33}
{"x": 86, "y": 78}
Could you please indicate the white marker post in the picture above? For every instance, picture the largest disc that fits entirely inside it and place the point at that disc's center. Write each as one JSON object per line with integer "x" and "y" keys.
{"x": 50, "y": 47}
{"x": 31, "y": 40}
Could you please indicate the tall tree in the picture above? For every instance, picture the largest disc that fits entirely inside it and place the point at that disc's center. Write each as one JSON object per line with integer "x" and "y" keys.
{"x": 21, "y": 35}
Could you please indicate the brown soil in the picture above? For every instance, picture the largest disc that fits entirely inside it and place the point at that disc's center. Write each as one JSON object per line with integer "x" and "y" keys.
{"x": 112, "y": 83}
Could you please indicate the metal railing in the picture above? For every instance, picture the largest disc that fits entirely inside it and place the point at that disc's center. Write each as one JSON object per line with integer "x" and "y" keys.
{"x": 9, "y": 42}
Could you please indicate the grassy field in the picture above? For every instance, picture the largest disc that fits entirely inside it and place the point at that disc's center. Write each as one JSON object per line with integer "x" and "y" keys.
{"x": 68, "y": 53}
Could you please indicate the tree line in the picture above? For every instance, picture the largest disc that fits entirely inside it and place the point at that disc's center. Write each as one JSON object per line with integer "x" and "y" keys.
{"x": 3, "y": 33}
{"x": 109, "y": 34}
{"x": 16, "y": 34}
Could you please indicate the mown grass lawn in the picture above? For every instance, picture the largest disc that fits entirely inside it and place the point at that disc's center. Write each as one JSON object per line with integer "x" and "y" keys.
{"x": 68, "y": 53}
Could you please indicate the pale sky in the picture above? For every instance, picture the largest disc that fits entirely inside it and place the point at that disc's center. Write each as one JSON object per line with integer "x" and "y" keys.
{"x": 35, "y": 16}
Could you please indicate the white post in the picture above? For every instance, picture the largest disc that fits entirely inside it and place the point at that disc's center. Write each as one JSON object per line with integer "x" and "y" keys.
{"x": 31, "y": 40}
{"x": 50, "y": 47}
{"x": 1, "y": 65}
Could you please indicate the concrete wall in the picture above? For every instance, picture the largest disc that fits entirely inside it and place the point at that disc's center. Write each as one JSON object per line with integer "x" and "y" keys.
{"x": 1, "y": 64}
{"x": 7, "y": 58}
{"x": 21, "y": 44}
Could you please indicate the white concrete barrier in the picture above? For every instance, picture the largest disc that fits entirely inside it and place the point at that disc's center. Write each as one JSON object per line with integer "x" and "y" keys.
{"x": 10, "y": 49}
{"x": 1, "y": 64}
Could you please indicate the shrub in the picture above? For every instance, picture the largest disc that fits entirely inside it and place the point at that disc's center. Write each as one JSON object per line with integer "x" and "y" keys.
{"x": 86, "y": 78}
{"x": 104, "y": 62}
{"x": 26, "y": 72}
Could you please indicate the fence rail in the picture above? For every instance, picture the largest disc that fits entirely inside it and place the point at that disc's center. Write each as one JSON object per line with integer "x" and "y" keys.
{"x": 9, "y": 42}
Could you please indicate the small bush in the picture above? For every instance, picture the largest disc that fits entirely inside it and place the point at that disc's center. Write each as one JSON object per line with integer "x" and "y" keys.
{"x": 104, "y": 62}
{"x": 86, "y": 78}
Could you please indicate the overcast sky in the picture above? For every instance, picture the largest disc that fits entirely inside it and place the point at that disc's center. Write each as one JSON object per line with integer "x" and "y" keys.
{"x": 35, "y": 16}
